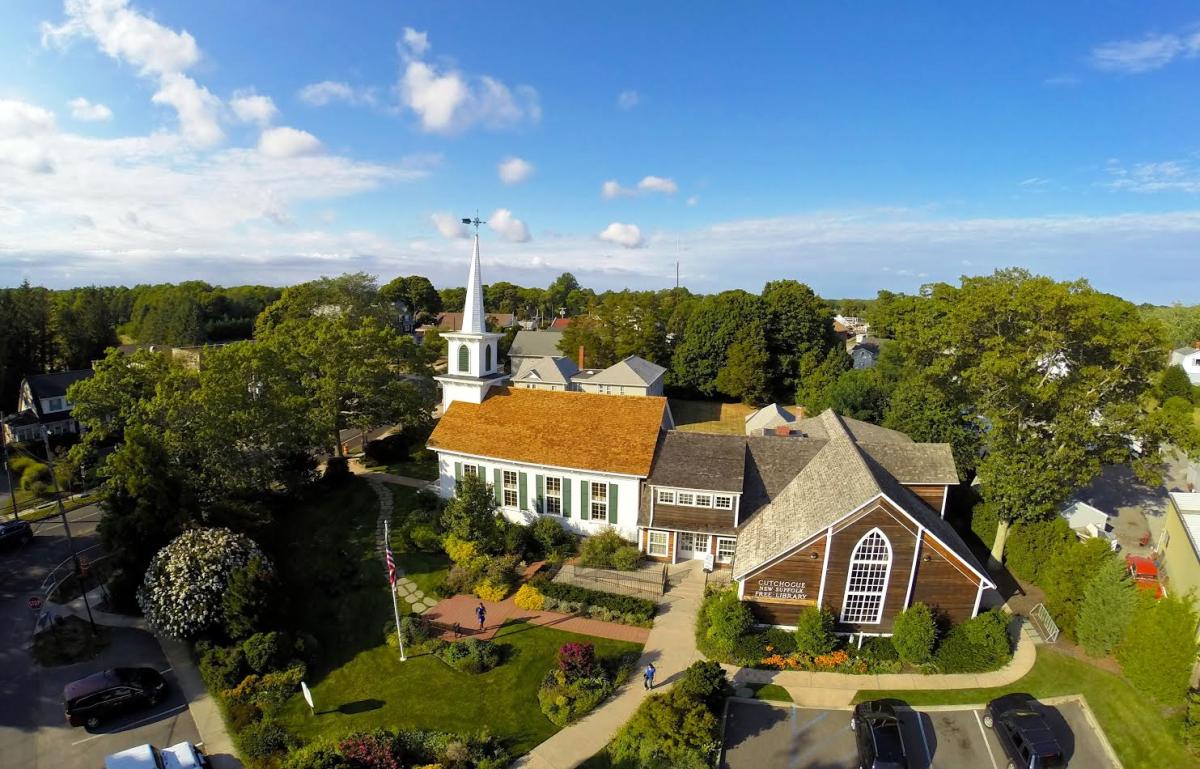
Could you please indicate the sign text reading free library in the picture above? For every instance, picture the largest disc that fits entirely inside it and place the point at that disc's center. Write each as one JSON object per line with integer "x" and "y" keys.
{"x": 782, "y": 589}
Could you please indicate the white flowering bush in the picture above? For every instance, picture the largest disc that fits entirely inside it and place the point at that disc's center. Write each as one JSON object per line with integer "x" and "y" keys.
{"x": 181, "y": 594}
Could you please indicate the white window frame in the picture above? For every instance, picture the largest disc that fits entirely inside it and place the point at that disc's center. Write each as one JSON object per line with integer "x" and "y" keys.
{"x": 723, "y": 498}
{"x": 732, "y": 542}
{"x": 557, "y": 497}
{"x": 506, "y": 489}
{"x": 688, "y": 496}
{"x": 472, "y": 470}
{"x": 666, "y": 497}
{"x": 695, "y": 539}
{"x": 870, "y": 566}
{"x": 598, "y": 507}
{"x": 651, "y": 545}
{"x": 704, "y": 500}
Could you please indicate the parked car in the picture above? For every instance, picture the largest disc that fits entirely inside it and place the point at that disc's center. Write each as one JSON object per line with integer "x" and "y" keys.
{"x": 91, "y": 700}
{"x": 15, "y": 533}
{"x": 185, "y": 755}
{"x": 1144, "y": 573}
{"x": 877, "y": 732}
{"x": 1023, "y": 733}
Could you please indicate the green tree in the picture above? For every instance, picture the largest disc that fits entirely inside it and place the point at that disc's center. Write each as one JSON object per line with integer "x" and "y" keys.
{"x": 247, "y": 601}
{"x": 1175, "y": 383}
{"x": 712, "y": 329}
{"x": 925, "y": 414}
{"x": 669, "y": 731}
{"x": 914, "y": 633}
{"x": 744, "y": 375}
{"x": 415, "y": 292}
{"x": 858, "y": 395}
{"x": 814, "y": 631}
{"x": 798, "y": 323}
{"x": 1068, "y": 575}
{"x": 818, "y": 375}
{"x": 1109, "y": 601}
{"x": 471, "y": 514}
{"x": 1159, "y": 647}
{"x": 1035, "y": 547}
{"x": 352, "y": 296}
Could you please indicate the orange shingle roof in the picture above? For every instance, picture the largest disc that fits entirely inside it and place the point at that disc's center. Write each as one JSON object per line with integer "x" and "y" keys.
{"x": 585, "y": 431}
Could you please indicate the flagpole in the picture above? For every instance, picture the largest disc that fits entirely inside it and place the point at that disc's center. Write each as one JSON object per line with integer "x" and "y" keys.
{"x": 387, "y": 547}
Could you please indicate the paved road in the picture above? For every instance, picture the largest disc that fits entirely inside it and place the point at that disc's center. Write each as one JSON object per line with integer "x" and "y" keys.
{"x": 759, "y": 735}
{"x": 33, "y": 732}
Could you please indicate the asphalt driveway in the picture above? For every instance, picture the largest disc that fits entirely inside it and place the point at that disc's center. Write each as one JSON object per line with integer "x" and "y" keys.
{"x": 33, "y": 731}
{"x": 759, "y": 735}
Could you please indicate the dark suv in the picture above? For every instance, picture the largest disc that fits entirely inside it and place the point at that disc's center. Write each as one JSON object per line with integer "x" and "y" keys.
{"x": 90, "y": 700}
{"x": 877, "y": 732}
{"x": 15, "y": 533}
{"x": 1023, "y": 733}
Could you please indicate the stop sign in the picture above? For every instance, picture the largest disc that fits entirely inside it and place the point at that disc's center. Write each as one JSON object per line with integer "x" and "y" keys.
{"x": 35, "y": 602}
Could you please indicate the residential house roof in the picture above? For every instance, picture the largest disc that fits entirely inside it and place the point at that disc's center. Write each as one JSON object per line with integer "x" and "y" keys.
{"x": 53, "y": 386}
{"x": 699, "y": 461}
{"x": 1188, "y": 505}
{"x": 839, "y": 477}
{"x": 915, "y": 463}
{"x": 549, "y": 369}
{"x": 632, "y": 371}
{"x": 560, "y": 324}
{"x": 583, "y": 431}
{"x": 769, "y": 416}
{"x": 535, "y": 344}
{"x": 453, "y": 321}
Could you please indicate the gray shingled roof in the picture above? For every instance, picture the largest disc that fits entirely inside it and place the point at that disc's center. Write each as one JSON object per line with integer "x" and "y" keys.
{"x": 633, "y": 371}
{"x": 552, "y": 370}
{"x": 768, "y": 416}
{"x": 915, "y": 462}
{"x": 535, "y": 344}
{"x": 699, "y": 461}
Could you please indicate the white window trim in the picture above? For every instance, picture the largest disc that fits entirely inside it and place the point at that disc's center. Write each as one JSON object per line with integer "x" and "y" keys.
{"x": 722, "y": 540}
{"x": 712, "y": 496}
{"x": 717, "y": 499}
{"x": 592, "y": 501}
{"x": 515, "y": 488}
{"x": 887, "y": 574}
{"x": 547, "y": 496}
{"x": 666, "y": 497}
{"x": 666, "y": 543}
{"x": 469, "y": 468}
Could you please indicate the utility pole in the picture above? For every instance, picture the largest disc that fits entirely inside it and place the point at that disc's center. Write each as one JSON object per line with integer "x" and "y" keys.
{"x": 12, "y": 492}
{"x": 62, "y": 512}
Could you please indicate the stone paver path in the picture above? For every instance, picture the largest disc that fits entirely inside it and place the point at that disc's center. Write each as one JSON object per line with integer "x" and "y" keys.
{"x": 405, "y": 587}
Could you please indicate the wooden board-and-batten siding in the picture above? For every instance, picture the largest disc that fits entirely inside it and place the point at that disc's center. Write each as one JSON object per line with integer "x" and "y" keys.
{"x": 942, "y": 582}
{"x": 644, "y": 542}
{"x": 934, "y": 496}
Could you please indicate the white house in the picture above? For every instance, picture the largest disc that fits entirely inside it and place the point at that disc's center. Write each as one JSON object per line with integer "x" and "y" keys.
{"x": 42, "y": 404}
{"x": 1188, "y": 358}
{"x": 631, "y": 376}
{"x": 1086, "y": 521}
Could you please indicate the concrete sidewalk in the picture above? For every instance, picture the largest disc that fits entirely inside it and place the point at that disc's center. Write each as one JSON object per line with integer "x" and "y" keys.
{"x": 671, "y": 646}
{"x": 205, "y": 711}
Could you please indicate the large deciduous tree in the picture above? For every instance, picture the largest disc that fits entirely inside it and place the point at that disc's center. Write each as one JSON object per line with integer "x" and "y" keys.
{"x": 798, "y": 324}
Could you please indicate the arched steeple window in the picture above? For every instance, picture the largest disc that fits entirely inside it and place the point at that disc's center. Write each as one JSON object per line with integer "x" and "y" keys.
{"x": 870, "y": 565}
{"x": 464, "y": 359}
{"x": 487, "y": 359}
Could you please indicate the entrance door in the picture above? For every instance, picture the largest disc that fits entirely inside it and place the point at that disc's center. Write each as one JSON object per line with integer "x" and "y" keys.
{"x": 692, "y": 545}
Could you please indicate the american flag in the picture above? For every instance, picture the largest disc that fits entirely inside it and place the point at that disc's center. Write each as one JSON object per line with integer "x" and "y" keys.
{"x": 391, "y": 564}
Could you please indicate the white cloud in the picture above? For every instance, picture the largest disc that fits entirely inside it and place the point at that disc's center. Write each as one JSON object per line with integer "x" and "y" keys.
{"x": 1146, "y": 54}
{"x": 611, "y": 190}
{"x": 285, "y": 142}
{"x": 624, "y": 235}
{"x": 508, "y": 226}
{"x": 514, "y": 170}
{"x": 449, "y": 225}
{"x": 658, "y": 184}
{"x": 329, "y": 91}
{"x": 627, "y": 99}
{"x": 84, "y": 111}
{"x": 20, "y": 119}
{"x": 158, "y": 52}
{"x": 693, "y": 200}
{"x": 416, "y": 42}
{"x": 250, "y": 107}
{"x": 1162, "y": 176}
{"x": 448, "y": 101}
{"x": 1034, "y": 181}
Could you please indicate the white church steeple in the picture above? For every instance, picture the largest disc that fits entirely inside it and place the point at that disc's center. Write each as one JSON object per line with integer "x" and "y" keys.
{"x": 473, "y": 352}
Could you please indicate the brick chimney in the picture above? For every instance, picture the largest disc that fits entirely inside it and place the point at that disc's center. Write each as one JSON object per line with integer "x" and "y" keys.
{"x": 783, "y": 430}
{"x": 581, "y": 357}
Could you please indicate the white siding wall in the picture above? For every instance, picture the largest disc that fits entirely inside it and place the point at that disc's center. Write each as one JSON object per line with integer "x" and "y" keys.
{"x": 578, "y": 515}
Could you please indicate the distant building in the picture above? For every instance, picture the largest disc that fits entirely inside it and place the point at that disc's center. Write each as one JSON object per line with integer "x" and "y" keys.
{"x": 631, "y": 376}
{"x": 1179, "y": 544}
{"x": 765, "y": 420}
{"x": 863, "y": 350}
{"x": 453, "y": 321}
{"x": 42, "y": 403}
{"x": 532, "y": 345}
{"x": 548, "y": 373}
{"x": 560, "y": 324}
{"x": 1188, "y": 358}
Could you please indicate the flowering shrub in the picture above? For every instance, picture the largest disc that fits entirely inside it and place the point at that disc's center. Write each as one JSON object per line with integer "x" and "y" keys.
{"x": 372, "y": 750}
{"x": 183, "y": 589}
{"x": 459, "y": 550}
{"x": 530, "y": 598}
{"x": 577, "y": 660}
{"x": 491, "y": 591}
{"x": 838, "y": 661}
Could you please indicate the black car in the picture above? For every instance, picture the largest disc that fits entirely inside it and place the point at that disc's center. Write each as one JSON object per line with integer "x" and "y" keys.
{"x": 1023, "y": 733}
{"x": 90, "y": 700}
{"x": 877, "y": 732}
{"x": 15, "y": 533}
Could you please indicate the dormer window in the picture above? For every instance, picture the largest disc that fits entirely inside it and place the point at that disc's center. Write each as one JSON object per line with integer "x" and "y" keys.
{"x": 666, "y": 497}
{"x": 56, "y": 404}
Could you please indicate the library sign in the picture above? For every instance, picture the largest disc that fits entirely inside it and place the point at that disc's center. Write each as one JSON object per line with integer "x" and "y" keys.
{"x": 782, "y": 590}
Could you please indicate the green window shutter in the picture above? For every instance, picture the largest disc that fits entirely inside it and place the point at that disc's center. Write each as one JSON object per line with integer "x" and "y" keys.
{"x": 585, "y": 501}
{"x": 539, "y": 501}
{"x": 458, "y": 471}
{"x": 522, "y": 489}
{"x": 566, "y": 503}
{"x": 612, "y": 503}
{"x": 498, "y": 486}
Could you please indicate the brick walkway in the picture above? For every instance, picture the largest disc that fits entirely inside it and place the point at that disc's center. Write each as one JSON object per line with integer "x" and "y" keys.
{"x": 461, "y": 609}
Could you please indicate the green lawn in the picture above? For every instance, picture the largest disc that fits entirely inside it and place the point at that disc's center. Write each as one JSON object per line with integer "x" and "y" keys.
{"x": 425, "y": 471}
{"x": 712, "y": 416}
{"x": 375, "y": 689}
{"x": 771, "y": 692}
{"x": 427, "y": 569}
{"x": 1142, "y": 733}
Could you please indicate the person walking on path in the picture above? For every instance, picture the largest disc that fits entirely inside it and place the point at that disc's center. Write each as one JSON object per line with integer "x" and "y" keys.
{"x": 457, "y": 630}
{"x": 481, "y": 613}
{"x": 648, "y": 676}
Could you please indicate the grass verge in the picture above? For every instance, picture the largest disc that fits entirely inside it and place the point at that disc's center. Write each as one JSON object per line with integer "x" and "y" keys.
{"x": 772, "y": 692}
{"x": 68, "y": 643}
{"x": 1142, "y": 733}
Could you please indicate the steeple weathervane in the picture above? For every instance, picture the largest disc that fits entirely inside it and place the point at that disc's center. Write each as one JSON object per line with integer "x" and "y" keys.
{"x": 474, "y": 222}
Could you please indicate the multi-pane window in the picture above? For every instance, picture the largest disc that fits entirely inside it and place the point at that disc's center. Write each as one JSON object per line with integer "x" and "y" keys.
{"x": 694, "y": 543}
{"x": 870, "y": 564}
{"x": 656, "y": 543}
{"x": 470, "y": 471}
{"x": 704, "y": 500}
{"x": 687, "y": 498}
{"x": 510, "y": 488}
{"x": 694, "y": 499}
{"x": 599, "y": 501}
{"x": 724, "y": 502}
{"x": 666, "y": 497}
{"x": 554, "y": 496}
{"x": 725, "y": 549}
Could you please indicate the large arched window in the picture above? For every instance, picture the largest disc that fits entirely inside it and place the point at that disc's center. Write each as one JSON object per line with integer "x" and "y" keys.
{"x": 487, "y": 359}
{"x": 870, "y": 564}
{"x": 464, "y": 359}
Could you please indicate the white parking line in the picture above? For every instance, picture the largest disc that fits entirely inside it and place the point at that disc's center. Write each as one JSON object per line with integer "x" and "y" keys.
{"x": 924, "y": 740}
{"x": 983, "y": 731}
{"x": 172, "y": 712}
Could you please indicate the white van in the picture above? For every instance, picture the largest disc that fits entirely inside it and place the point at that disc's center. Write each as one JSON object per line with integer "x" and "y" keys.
{"x": 185, "y": 755}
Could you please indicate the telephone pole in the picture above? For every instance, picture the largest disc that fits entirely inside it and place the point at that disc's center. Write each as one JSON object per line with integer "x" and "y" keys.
{"x": 62, "y": 512}
{"x": 12, "y": 492}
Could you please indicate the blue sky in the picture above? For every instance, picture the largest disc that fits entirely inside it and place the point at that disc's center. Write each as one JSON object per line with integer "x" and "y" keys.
{"x": 852, "y": 146}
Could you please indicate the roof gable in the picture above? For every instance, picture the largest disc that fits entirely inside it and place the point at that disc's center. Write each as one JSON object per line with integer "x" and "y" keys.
{"x": 557, "y": 370}
{"x": 535, "y": 344}
{"x": 584, "y": 431}
{"x": 632, "y": 371}
{"x": 699, "y": 461}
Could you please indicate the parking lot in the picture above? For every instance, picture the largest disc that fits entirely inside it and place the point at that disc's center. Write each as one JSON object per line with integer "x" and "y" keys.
{"x": 759, "y": 735}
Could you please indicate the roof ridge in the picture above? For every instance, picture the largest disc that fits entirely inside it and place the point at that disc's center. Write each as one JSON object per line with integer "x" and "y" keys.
{"x": 859, "y": 453}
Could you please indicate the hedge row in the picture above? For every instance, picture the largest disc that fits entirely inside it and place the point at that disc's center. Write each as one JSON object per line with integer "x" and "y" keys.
{"x": 640, "y": 608}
